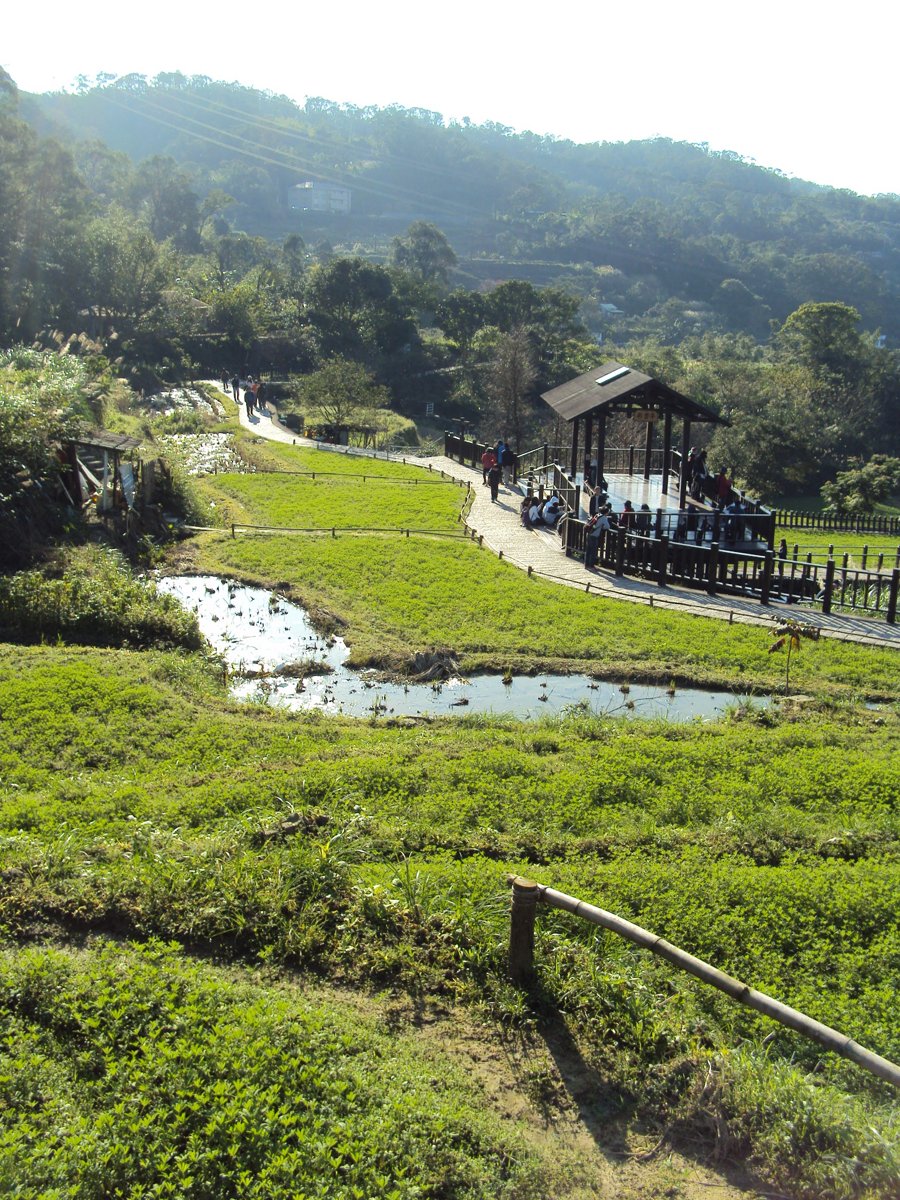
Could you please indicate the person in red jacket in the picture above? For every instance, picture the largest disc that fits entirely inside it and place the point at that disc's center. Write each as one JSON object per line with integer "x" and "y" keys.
{"x": 487, "y": 461}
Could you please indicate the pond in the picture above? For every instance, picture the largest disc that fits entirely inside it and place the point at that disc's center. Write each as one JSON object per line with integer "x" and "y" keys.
{"x": 278, "y": 657}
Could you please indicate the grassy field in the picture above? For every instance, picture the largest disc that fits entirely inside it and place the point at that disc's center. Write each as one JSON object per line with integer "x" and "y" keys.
{"x": 820, "y": 545}
{"x": 139, "y": 801}
{"x": 176, "y": 865}
{"x": 394, "y": 596}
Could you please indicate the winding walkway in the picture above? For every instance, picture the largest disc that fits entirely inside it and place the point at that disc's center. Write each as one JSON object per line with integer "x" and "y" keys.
{"x": 499, "y": 529}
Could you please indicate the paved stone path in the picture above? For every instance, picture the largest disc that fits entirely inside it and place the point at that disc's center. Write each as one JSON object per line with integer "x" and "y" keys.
{"x": 499, "y": 529}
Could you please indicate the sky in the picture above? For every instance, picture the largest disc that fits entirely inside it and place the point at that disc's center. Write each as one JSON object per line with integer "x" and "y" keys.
{"x": 794, "y": 85}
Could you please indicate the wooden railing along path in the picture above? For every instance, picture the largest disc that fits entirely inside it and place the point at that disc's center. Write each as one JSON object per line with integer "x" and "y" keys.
{"x": 764, "y": 576}
{"x": 526, "y": 895}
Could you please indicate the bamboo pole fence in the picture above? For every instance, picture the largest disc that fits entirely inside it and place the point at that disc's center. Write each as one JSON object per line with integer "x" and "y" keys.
{"x": 526, "y": 895}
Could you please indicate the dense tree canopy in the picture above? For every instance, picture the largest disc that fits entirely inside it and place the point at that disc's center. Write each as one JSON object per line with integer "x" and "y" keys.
{"x": 476, "y": 268}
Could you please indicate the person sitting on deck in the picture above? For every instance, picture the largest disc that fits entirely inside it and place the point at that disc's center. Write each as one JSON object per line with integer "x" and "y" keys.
{"x": 627, "y": 517}
{"x": 643, "y": 520}
{"x": 551, "y": 511}
{"x": 525, "y": 510}
{"x": 534, "y": 513}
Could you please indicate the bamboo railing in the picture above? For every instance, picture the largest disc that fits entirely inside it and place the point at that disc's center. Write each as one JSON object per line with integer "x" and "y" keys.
{"x": 526, "y": 894}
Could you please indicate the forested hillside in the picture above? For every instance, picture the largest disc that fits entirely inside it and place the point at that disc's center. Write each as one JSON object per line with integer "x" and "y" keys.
{"x": 470, "y": 267}
{"x": 670, "y": 220}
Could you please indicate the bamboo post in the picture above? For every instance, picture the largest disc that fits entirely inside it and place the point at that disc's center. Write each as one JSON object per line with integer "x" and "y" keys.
{"x": 831, "y": 1039}
{"x": 525, "y": 895}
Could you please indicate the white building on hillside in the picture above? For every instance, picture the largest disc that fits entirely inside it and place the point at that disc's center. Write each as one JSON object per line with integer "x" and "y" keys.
{"x": 320, "y": 197}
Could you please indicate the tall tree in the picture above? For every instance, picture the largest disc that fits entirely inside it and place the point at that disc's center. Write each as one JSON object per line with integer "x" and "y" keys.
{"x": 511, "y": 379}
{"x": 424, "y": 252}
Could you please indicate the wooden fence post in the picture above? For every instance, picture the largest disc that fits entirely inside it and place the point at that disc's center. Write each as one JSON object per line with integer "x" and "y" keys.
{"x": 829, "y": 586}
{"x": 663, "y": 561}
{"x": 620, "y": 552}
{"x": 525, "y": 895}
{"x": 712, "y": 571}
{"x": 766, "y": 585}
{"x": 891, "y": 615}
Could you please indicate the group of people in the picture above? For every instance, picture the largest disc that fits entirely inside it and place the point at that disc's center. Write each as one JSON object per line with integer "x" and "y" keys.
{"x": 498, "y": 464}
{"x": 536, "y": 513}
{"x": 253, "y": 392}
{"x": 701, "y": 482}
{"x": 603, "y": 520}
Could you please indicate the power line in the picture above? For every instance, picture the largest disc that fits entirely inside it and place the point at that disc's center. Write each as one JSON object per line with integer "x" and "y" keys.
{"x": 183, "y": 123}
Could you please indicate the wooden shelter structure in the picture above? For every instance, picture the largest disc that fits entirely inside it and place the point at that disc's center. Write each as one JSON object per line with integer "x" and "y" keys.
{"x": 95, "y": 461}
{"x": 613, "y": 389}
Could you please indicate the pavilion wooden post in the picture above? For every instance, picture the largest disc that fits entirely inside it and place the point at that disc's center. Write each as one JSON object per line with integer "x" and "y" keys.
{"x": 601, "y": 445}
{"x": 588, "y": 445}
{"x": 648, "y": 447}
{"x": 685, "y": 446}
{"x": 574, "y": 462}
{"x": 667, "y": 450}
{"x": 525, "y": 895}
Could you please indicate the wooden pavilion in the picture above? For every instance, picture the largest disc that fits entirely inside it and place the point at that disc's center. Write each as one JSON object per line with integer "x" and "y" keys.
{"x": 615, "y": 390}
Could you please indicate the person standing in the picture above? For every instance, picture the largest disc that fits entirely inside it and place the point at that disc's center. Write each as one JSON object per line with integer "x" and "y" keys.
{"x": 236, "y": 388}
{"x": 508, "y": 463}
{"x": 487, "y": 461}
{"x": 598, "y": 527}
{"x": 493, "y": 478}
{"x": 723, "y": 487}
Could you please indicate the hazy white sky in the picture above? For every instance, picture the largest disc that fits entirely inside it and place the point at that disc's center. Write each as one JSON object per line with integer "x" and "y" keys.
{"x": 800, "y": 85}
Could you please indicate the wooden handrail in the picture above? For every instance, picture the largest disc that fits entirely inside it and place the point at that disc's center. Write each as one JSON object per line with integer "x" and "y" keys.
{"x": 526, "y": 896}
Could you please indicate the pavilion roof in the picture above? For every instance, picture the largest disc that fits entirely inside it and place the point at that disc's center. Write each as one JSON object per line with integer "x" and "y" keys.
{"x": 617, "y": 389}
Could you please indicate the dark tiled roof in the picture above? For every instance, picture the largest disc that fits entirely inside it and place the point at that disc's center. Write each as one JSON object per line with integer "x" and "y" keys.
{"x": 615, "y": 388}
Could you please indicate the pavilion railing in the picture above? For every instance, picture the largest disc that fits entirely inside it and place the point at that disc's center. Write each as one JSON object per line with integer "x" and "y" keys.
{"x": 632, "y": 460}
{"x": 762, "y": 576}
{"x": 552, "y": 478}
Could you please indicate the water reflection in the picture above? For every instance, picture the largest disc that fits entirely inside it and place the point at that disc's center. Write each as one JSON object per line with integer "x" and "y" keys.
{"x": 277, "y": 655}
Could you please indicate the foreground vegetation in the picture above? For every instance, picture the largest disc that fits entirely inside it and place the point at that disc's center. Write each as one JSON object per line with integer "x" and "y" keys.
{"x": 132, "y": 1071}
{"x": 138, "y": 801}
{"x": 141, "y": 804}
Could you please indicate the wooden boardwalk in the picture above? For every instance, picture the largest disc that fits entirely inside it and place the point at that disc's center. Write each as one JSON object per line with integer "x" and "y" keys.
{"x": 500, "y": 530}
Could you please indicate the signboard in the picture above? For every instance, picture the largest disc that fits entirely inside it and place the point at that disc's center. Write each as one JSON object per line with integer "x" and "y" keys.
{"x": 645, "y": 414}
